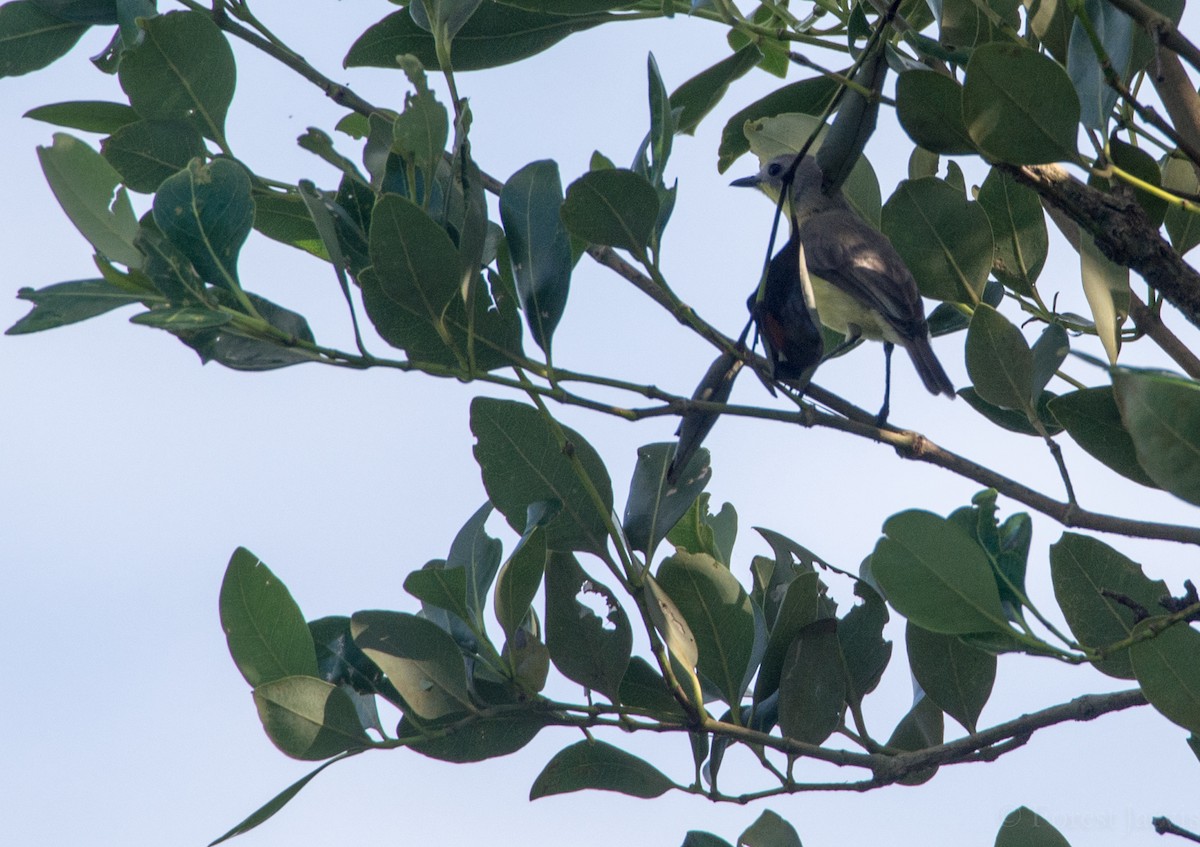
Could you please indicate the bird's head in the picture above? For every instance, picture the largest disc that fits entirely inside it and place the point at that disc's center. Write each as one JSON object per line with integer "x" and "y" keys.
{"x": 771, "y": 176}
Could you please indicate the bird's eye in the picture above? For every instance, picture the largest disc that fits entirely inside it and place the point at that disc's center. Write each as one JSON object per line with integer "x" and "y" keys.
{"x": 774, "y": 169}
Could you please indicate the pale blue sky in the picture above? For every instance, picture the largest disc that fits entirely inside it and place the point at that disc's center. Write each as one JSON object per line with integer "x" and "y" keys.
{"x": 128, "y": 474}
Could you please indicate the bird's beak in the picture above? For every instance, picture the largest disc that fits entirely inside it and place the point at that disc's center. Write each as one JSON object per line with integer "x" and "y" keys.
{"x": 746, "y": 182}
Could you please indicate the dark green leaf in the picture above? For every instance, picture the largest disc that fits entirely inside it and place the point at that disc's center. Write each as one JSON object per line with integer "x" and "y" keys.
{"x": 147, "y": 152}
{"x": 340, "y": 661}
{"x": 1114, "y": 30}
{"x": 945, "y": 239}
{"x": 182, "y": 319}
{"x": 588, "y": 648}
{"x": 267, "y": 635}
{"x": 696, "y": 838}
{"x": 229, "y": 346}
{"x": 268, "y": 809}
{"x": 1183, "y": 226}
{"x": 596, "y": 765}
{"x": 1091, "y": 417}
{"x": 308, "y": 718}
{"x": 1020, "y": 106}
{"x": 812, "y": 684}
{"x": 519, "y": 580}
{"x": 644, "y": 688}
{"x": 653, "y": 506}
{"x": 479, "y": 555}
{"x": 1050, "y": 21}
{"x": 479, "y": 739}
{"x": 284, "y": 218}
{"x": 446, "y": 16}
{"x": 999, "y": 361}
{"x": 32, "y": 38}
{"x": 87, "y": 115}
{"x": 696, "y": 531}
{"x": 719, "y": 613}
{"x": 1139, "y": 163}
{"x": 935, "y": 575}
{"x": 701, "y": 93}
{"x": 1024, "y": 827}
{"x": 1011, "y": 420}
{"x": 769, "y": 830}
{"x": 955, "y": 676}
{"x": 1161, "y": 412}
{"x": 207, "y": 211}
{"x": 419, "y": 658}
{"x": 523, "y": 463}
{"x": 614, "y": 207}
{"x": 860, "y": 635}
{"x": 69, "y": 302}
{"x": 1049, "y": 351}
{"x": 1018, "y": 228}
{"x": 799, "y": 605}
{"x": 923, "y": 727}
{"x": 444, "y": 587}
{"x": 964, "y": 25}
{"x": 809, "y": 96}
{"x": 182, "y": 70}
{"x": 84, "y": 183}
{"x": 1087, "y": 575}
{"x": 81, "y": 11}
{"x": 495, "y": 35}
{"x": 539, "y": 247}
{"x": 929, "y": 106}
{"x": 420, "y": 132}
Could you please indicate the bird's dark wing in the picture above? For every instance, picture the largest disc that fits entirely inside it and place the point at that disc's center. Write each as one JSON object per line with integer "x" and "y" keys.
{"x": 845, "y": 251}
{"x": 792, "y": 337}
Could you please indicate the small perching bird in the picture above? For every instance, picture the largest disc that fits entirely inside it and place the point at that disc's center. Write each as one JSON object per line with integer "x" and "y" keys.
{"x": 862, "y": 287}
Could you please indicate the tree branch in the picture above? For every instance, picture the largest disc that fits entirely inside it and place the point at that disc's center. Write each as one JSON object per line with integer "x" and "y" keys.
{"x": 1121, "y": 231}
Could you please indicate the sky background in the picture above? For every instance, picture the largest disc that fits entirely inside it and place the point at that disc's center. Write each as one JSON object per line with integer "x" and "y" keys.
{"x": 129, "y": 474}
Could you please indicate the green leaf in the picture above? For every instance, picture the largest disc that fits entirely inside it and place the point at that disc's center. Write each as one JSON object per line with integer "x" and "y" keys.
{"x": 999, "y": 361}
{"x": 86, "y": 115}
{"x": 1183, "y": 226}
{"x": 1018, "y": 229}
{"x": 944, "y": 239}
{"x": 1020, "y": 106}
{"x": 809, "y": 96}
{"x": 644, "y": 688}
{"x": 539, "y": 247}
{"x": 207, "y": 211}
{"x": 1024, "y": 827}
{"x": 935, "y": 575}
{"x": 266, "y": 632}
{"x": 268, "y": 809}
{"x": 719, "y": 614}
{"x": 182, "y": 319}
{"x": 82, "y": 11}
{"x": 69, "y": 302}
{"x": 1106, "y": 287}
{"x": 308, "y": 718}
{"x": 929, "y": 106}
{"x": 420, "y": 132}
{"x": 479, "y": 739}
{"x": 419, "y": 658}
{"x": 443, "y": 16}
{"x": 31, "y": 39}
{"x": 673, "y": 627}
{"x": 964, "y": 25}
{"x": 812, "y": 684}
{"x": 1137, "y": 162}
{"x": 1114, "y": 30}
{"x": 1049, "y": 352}
{"x": 1091, "y": 417}
{"x": 860, "y": 636}
{"x": 1011, "y": 420}
{"x": 769, "y": 830}
{"x": 84, "y": 185}
{"x": 1087, "y": 574}
{"x": 954, "y": 675}
{"x": 1161, "y": 412}
{"x": 1050, "y": 21}
{"x": 595, "y": 765}
{"x": 800, "y": 606}
{"x": 921, "y": 728}
{"x": 523, "y": 464}
{"x": 700, "y": 94}
{"x": 285, "y": 218}
{"x": 479, "y": 555}
{"x": 182, "y": 70}
{"x": 519, "y": 580}
{"x": 145, "y": 153}
{"x": 444, "y": 587}
{"x": 614, "y": 207}
{"x": 495, "y": 35}
{"x": 653, "y": 506}
{"x": 340, "y": 661}
{"x": 588, "y": 648}
{"x": 696, "y": 531}
{"x": 240, "y": 351}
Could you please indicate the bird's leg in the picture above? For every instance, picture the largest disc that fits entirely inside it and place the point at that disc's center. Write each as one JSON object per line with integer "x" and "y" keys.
{"x": 882, "y": 417}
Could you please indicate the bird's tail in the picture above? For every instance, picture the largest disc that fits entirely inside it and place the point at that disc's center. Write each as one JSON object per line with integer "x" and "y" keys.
{"x": 928, "y": 367}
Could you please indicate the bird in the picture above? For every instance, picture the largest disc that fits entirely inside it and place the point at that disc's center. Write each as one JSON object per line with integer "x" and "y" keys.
{"x": 862, "y": 287}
